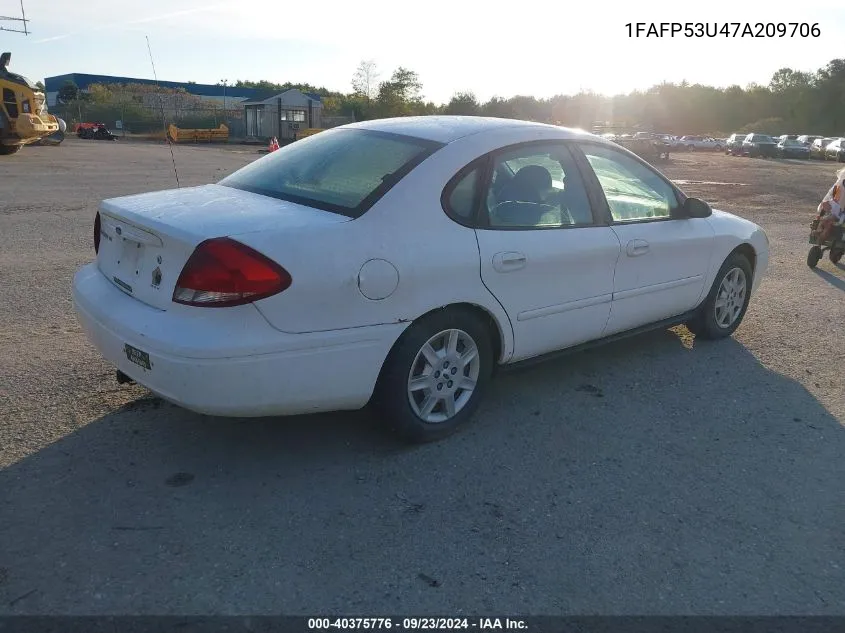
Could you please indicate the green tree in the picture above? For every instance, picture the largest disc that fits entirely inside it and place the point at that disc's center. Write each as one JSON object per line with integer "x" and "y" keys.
{"x": 831, "y": 96}
{"x": 787, "y": 79}
{"x": 498, "y": 107}
{"x": 400, "y": 95}
{"x": 463, "y": 103}
{"x": 68, "y": 93}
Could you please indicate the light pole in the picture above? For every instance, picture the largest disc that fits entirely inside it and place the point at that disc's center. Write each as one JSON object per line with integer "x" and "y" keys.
{"x": 225, "y": 118}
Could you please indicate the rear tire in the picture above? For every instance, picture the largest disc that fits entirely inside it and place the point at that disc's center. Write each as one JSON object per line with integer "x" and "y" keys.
{"x": 814, "y": 256}
{"x": 725, "y": 306}
{"x": 835, "y": 255}
{"x": 8, "y": 150}
{"x": 418, "y": 371}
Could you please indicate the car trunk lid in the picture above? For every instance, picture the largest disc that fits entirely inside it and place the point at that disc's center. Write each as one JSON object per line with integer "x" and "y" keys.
{"x": 146, "y": 239}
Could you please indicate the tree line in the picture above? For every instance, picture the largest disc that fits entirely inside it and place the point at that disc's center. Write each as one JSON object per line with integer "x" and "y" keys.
{"x": 792, "y": 102}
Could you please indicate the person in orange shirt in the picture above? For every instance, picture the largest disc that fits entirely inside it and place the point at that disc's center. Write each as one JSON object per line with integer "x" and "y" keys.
{"x": 832, "y": 209}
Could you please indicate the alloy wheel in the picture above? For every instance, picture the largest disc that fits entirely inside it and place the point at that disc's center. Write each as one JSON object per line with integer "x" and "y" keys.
{"x": 443, "y": 376}
{"x": 730, "y": 298}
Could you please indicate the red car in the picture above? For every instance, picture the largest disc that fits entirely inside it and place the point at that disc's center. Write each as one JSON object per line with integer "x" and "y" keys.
{"x": 97, "y": 131}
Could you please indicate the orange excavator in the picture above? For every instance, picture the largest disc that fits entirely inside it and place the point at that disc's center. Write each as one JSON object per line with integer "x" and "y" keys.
{"x": 23, "y": 111}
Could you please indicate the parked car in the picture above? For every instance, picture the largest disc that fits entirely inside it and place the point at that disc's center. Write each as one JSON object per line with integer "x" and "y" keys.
{"x": 808, "y": 139}
{"x": 758, "y": 145}
{"x": 694, "y": 143}
{"x": 835, "y": 150}
{"x": 733, "y": 145}
{"x": 311, "y": 280}
{"x": 792, "y": 149}
{"x": 818, "y": 147}
{"x": 786, "y": 137}
{"x": 670, "y": 140}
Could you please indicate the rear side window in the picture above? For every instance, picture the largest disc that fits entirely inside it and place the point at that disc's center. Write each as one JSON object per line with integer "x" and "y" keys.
{"x": 461, "y": 200}
{"x": 537, "y": 186}
{"x": 345, "y": 171}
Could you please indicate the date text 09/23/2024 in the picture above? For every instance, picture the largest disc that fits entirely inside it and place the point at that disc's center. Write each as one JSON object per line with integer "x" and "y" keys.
{"x": 723, "y": 29}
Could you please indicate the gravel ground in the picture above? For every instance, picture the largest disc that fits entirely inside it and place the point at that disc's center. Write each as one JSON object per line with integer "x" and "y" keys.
{"x": 655, "y": 476}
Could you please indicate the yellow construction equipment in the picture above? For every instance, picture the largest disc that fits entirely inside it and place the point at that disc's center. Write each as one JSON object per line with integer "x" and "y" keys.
{"x": 307, "y": 132}
{"x": 23, "y": 111}
{"x": 195, "y": 135}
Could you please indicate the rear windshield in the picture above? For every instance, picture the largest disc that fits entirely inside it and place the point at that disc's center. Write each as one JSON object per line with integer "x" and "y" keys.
{"x": 345, "y": 170}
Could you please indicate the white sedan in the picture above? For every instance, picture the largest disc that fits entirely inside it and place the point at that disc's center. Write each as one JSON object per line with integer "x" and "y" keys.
{"x": 399, "y": 262}
{"x": 693, "y": 143}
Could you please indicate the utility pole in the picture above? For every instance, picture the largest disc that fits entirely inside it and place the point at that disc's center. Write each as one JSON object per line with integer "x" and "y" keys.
{"x": 225, "y": 117}
{"x": 23, "y": 21}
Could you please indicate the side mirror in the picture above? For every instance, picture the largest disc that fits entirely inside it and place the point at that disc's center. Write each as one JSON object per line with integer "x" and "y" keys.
{"x": 694, "y": 208}
{"x": 5, "y": 58}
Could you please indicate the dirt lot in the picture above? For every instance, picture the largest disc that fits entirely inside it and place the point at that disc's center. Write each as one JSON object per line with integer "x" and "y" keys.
{"x": 650, "y": 476}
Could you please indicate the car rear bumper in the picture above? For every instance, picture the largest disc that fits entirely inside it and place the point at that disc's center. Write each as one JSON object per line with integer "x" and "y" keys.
{"x": 231, "y": 361}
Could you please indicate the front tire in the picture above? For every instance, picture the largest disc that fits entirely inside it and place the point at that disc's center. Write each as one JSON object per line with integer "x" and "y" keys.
{"x": 725, "y": 306}
{"x": 814, "y": 256}
{"x": 435, "y": 376}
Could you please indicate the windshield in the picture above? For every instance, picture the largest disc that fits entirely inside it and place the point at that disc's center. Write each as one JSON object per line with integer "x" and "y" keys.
{"x": 344, "y": 170}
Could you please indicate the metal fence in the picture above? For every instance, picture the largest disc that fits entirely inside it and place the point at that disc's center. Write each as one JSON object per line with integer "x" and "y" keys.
{"x": 139, "y": 118}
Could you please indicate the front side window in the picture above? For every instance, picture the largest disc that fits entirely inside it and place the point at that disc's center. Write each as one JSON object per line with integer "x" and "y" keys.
{"x": 345, "y": 171}
{"x": 537, "y": 186}
{"x": 633, "y": 191}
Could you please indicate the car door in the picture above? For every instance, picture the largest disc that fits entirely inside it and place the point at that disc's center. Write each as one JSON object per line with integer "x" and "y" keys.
{"x": 664, "y": 261}
{"x": 544, "y": 256}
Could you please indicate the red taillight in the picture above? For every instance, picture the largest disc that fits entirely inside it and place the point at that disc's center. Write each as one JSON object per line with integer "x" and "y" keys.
{"x": 97, "y": 233}
{"x": 222, "y": 272}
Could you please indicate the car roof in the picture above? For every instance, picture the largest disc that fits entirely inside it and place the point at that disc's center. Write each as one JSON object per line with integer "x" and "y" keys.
{"x": 448, "y": 128}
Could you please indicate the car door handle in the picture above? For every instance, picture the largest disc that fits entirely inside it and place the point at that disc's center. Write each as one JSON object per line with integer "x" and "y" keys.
{"x": 508, "y": 261}
{"x": 637, "y": 247}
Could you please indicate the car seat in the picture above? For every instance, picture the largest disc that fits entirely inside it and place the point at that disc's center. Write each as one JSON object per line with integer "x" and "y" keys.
{"x": 521, "y": 199}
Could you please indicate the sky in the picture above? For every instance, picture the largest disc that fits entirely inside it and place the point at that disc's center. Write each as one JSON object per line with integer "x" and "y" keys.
{"x": 538, "y": 47}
